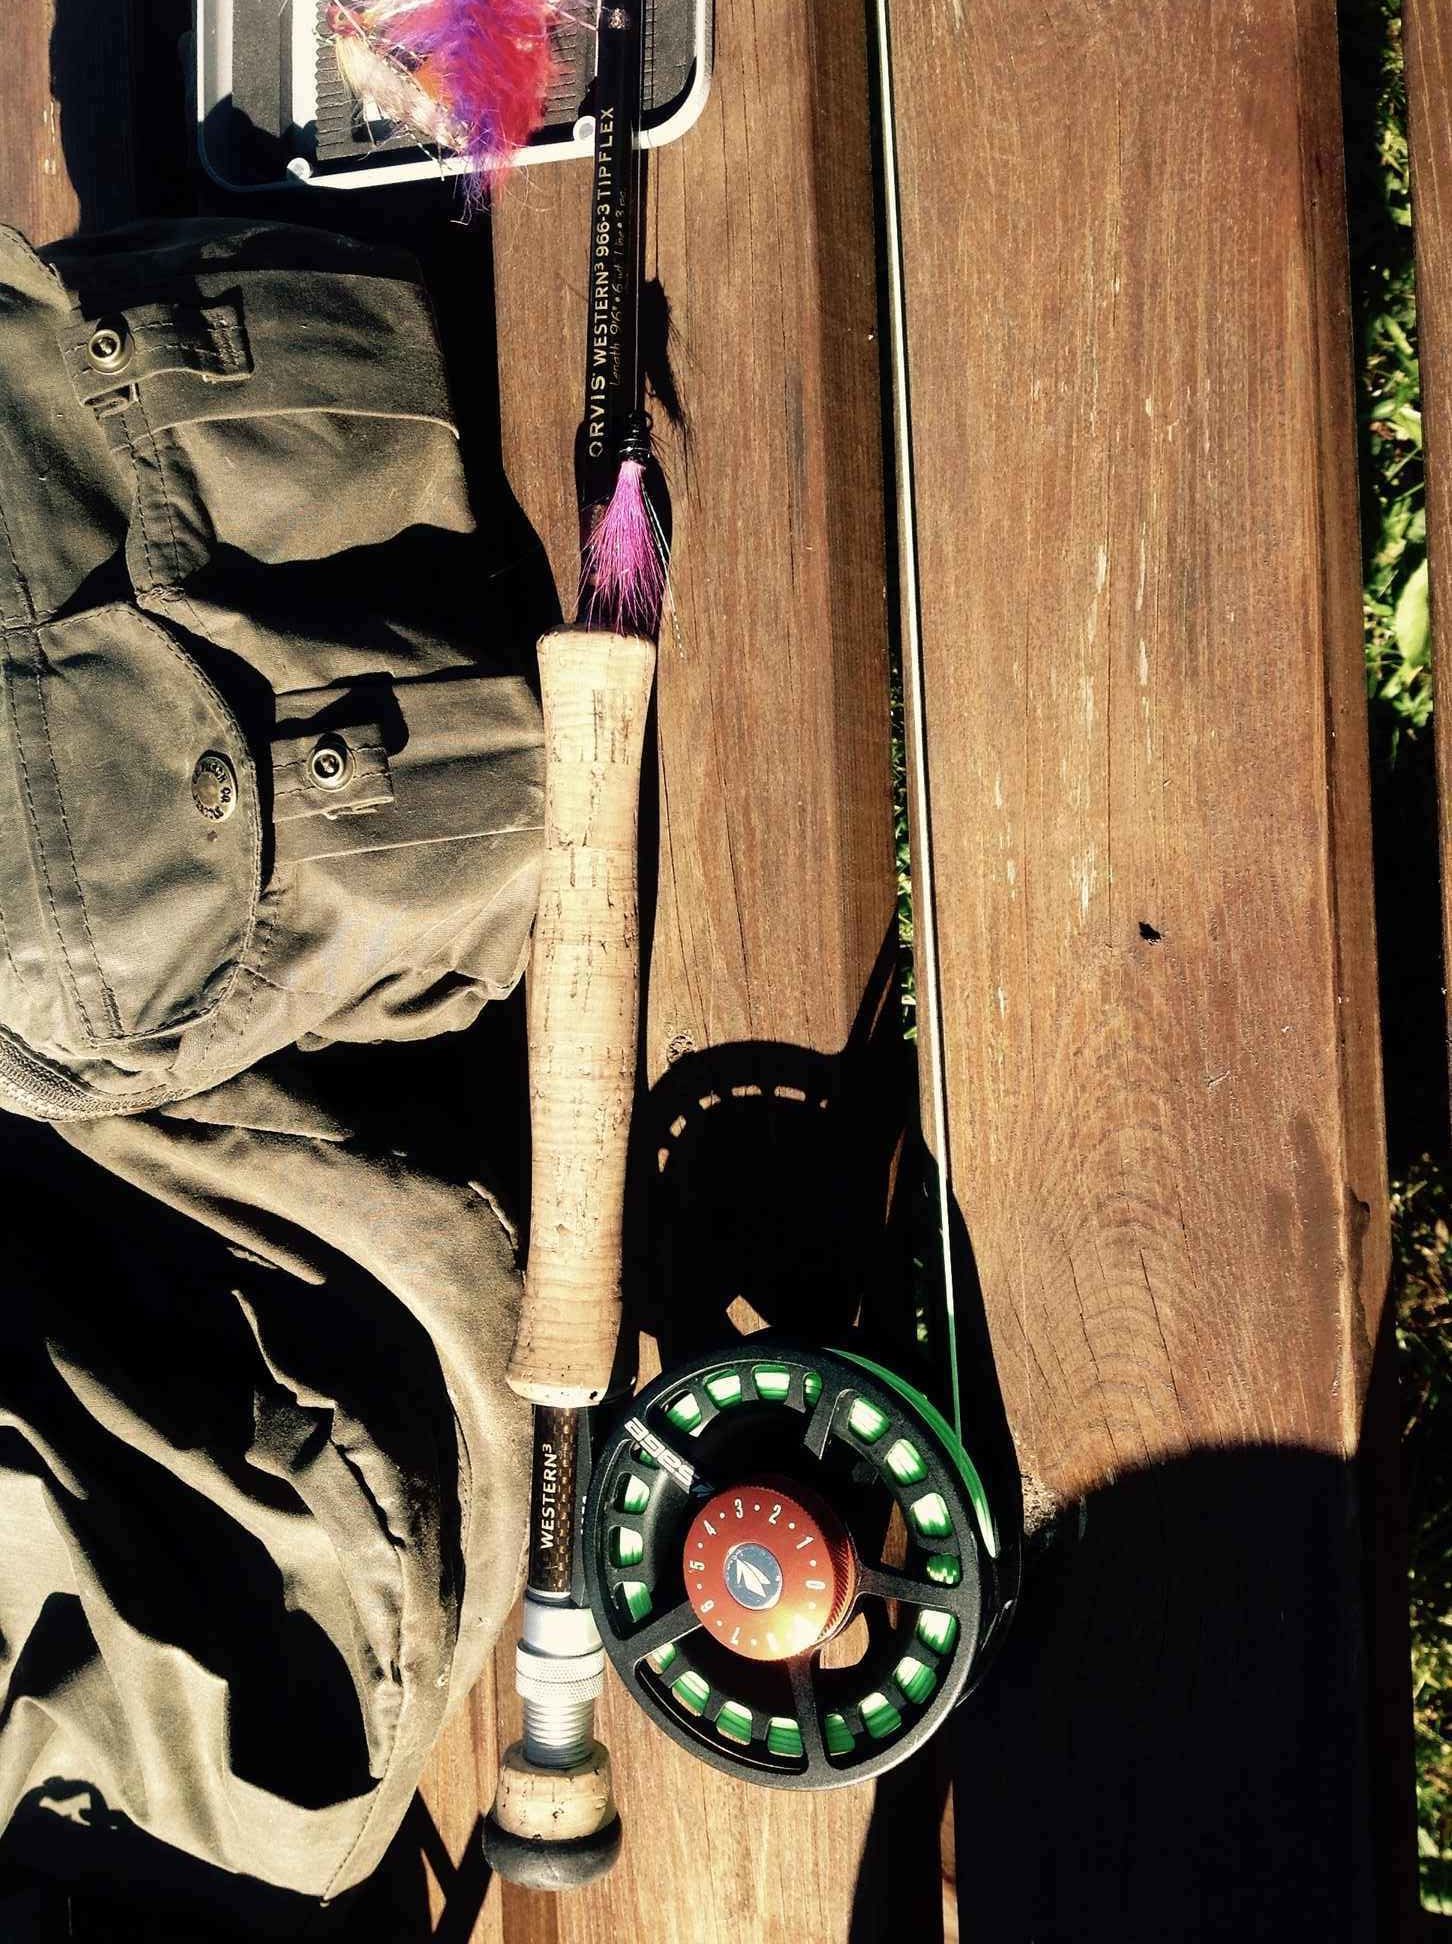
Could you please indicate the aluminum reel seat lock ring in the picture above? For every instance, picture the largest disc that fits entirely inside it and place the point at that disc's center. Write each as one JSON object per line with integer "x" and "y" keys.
{"x": 704, "y": 1610}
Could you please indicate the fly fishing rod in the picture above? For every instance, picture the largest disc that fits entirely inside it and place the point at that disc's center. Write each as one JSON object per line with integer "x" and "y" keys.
{"x": 474, "y": 76}
{"x": 745, "y": 1510}
{"x": 554, "y": 1821}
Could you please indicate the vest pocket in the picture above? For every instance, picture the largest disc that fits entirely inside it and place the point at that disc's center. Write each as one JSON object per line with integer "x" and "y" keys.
{"x": 135, "y": 888}
{"x": 282, "y": 416}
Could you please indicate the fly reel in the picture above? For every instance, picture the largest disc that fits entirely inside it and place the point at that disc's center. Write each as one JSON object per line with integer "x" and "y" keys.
{"x": 737, "y": 1538}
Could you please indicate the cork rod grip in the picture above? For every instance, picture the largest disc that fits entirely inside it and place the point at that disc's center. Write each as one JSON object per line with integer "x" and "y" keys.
{"x": 583, "y": 1005}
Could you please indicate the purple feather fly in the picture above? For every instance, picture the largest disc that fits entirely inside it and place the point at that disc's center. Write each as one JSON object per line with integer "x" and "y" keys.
{"x": 625, "y": 558}
{"x": 472, "y": 76}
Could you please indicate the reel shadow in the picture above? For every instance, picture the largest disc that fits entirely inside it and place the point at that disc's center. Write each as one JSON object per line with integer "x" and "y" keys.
{"x": 1196, "y": 1725}
{"x": 775, "y": 1185}
{"x": 764, "y": 1185}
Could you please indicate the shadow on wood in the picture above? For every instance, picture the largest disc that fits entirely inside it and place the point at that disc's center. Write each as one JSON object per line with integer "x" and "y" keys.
{"x": 463, "y": 1886}
{"x": 1174, "y": 1742}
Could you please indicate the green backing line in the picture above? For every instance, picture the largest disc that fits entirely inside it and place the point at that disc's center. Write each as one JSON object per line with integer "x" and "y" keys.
{"x": 934, "y": 1418}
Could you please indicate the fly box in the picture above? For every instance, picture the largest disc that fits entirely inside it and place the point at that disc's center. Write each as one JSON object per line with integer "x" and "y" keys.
{"x": 272, "y": 108}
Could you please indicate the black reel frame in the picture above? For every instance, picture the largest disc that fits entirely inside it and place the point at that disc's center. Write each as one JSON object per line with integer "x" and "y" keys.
{"x": 869, "y": 1445}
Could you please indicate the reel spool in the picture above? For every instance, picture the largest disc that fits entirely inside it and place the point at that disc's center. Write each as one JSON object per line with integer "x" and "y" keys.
{"x": 738, "y": 1521}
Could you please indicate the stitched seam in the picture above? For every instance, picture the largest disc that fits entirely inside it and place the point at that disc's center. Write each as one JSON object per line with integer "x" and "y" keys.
{"x": 413, "y": 1694}
{"x": 219, "y": 356}
{"x": 193, "y": 362}
{"x": 289, "y": 991}
{"x": 174, "y": 593}
{"x": 244, "y": 409}
{"x": 45, "y": 877}
{"x": 14, "y": 627}
{"x": 164, "y": 317}
{"x": 358, "y": 749}
{"x": 367, "y": 793}
{"x": 299, "y": 830}
{"x": 375, "y": 1805}
{"x": 20, "y": 978}
{"x": 26, "y": 627}
{"x": 138, "y": 501}
{"x": 176, "y": 565}
{"x": 306, "y": 806}
{"x": 112, "y": 1012}
{"x": 22, "y": 588}
{"x": 220, "y": 344}
{"x": 265, "y": 939}
{"x": 203, "y": 343}
{"x": 169, "y": 344}
{"x": 302, "y": 789}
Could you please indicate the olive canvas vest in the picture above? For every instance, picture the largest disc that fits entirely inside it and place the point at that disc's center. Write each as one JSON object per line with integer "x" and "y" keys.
{"x": 257, "y": 782}
{"x": 270, "y": 795}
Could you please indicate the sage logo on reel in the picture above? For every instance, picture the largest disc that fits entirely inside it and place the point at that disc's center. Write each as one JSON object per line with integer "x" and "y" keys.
{"x": 753, "y": 1576}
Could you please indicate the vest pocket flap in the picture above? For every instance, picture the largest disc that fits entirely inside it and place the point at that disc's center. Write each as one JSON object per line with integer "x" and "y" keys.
{"x": 384, "y": 764}
{"x": 346, "y": 345}
{"x": 129, "y": 903}
{"x": 128, "y": 348}
{"x": 330, "y": 750}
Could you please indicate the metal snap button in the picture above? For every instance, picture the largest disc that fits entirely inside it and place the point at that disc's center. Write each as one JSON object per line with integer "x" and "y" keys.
{"x": 110, "y": 347}
{"x": 331, "y": 763}
{"x": 214, "y": 787}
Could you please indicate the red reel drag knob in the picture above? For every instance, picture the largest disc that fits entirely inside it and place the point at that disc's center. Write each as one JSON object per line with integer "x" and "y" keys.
{"x": 769, "y": 1573}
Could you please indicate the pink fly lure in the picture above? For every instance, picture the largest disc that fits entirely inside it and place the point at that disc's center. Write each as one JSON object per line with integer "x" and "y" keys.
{"x": 624, "y": 579}
{"x": 471, "y": 76}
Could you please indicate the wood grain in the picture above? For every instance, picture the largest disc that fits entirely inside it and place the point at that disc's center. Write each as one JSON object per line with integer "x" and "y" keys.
{"x": 66, "y": 158}
{"x": 774, "y": 879}
{"x": 1429, "y": 100}
{"x": 458, "y": 1787}
{"x": 36, "y": 192}
{"x": 1128, "y": 346}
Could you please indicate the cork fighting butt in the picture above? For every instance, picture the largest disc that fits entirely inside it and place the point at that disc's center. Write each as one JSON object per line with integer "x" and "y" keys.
{"x": 584, "y": 1007}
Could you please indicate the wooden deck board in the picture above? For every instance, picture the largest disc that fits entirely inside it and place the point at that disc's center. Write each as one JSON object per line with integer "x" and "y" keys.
{"x": 66, "y": 150}
{"x": 457, "y": 1789}
{"x": 1128, "y": 350}
{"x": 36, "y": 191}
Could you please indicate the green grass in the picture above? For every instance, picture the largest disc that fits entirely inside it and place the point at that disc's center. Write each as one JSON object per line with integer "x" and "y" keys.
{"x": 1422, "y": 1244}
{"x": 1394, "y": 514}
{"x": 1399, "y": 684}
